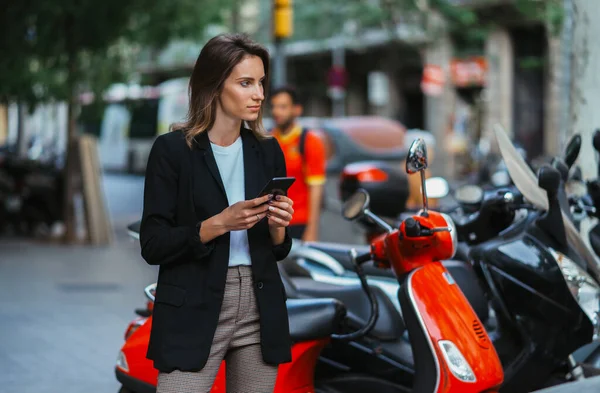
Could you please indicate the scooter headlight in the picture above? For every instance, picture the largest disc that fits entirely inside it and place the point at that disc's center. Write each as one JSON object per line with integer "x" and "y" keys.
{"x": 453, "y": 233}
{"x": 122, "y": 362}
{"x": 583, "y": 287}
{"x": 456, "y": 361}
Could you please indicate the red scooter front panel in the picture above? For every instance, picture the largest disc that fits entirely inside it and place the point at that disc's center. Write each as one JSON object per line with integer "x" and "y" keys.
{"x": 294, "y": 377}
{"x": 446, "y": 316}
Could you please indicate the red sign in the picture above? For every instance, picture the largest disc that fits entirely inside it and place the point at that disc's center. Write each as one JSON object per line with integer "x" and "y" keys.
{"x": 469, "y": 72}
{"x": 433, "y": 80}
{"x": 337, "y": 77}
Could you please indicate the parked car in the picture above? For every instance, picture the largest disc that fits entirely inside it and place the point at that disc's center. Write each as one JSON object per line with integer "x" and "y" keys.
{"x": 361, "y": 138}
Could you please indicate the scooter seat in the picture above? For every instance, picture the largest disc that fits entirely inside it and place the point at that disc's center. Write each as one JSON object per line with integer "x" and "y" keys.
{"x": 389, "y": 325}
{"x": 311, "y": 319}
{"x": 340, "y": 253}
{"x": 462, "y": 272}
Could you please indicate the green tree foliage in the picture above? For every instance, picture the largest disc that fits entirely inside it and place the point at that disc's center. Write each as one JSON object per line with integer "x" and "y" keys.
{"x": 54, "y": 49}
{"x": 315, "y": 19}
{"x": 50, "y": 47}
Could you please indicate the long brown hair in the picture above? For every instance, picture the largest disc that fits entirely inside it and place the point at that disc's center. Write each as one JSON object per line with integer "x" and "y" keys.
{"x": 214, "y": 65}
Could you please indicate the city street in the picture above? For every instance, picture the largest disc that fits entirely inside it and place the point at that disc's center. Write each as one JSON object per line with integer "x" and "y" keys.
{"x": 64, "y": 310}
{"x": 502, "y": 94}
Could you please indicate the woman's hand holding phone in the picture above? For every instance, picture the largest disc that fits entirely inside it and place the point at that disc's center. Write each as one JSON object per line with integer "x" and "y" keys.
{"x": 280, "y": 211}
{"x": 245, "y": 214}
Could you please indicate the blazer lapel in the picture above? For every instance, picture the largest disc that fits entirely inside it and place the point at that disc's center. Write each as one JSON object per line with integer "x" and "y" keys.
{"x": 253, "y": 176}
{"x": 203, "y": 144}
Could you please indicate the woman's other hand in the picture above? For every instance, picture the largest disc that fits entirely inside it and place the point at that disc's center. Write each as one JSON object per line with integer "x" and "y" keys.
{"x": 244, "y": 214}
{"x": 280, "y": 211}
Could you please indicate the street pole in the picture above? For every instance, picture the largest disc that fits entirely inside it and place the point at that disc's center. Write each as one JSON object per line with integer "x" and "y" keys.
{"x": 282, "y": 29}
{"x": 339, "y": 97}
{"x": 279, "y": 69}
{"x": 567, "y": 43}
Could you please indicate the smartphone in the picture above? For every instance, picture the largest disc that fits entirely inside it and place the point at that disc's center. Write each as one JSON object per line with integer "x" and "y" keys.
{"x": 277, "y": 186}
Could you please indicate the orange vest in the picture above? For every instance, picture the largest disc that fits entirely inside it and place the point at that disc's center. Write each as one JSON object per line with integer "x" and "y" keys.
{"x": 308, "y": 168}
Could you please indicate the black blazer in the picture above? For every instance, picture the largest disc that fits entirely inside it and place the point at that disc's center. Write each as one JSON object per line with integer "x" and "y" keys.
{"x": 182, "y": 188}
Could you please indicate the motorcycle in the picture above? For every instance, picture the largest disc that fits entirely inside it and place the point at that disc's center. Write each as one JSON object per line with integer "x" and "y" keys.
{"x": 536, "y": 346}
{"x": 390, "y": 189}
{"x": 585, "y": 203}
{"x": 452, "y": 351}
{"x": 31, "y": 195}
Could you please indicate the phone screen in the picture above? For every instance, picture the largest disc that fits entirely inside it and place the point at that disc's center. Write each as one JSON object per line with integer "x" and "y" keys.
{"x": 277, "y": 186}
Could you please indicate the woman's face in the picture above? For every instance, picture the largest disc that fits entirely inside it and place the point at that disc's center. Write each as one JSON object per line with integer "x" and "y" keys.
{"x": 243, "y": 93}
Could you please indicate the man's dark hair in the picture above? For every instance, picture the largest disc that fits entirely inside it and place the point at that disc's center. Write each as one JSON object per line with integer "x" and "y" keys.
{"x": 289, "y": 90}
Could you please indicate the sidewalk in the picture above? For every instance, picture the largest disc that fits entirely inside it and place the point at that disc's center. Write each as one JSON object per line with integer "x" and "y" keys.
{"x": 63, "y": 313}
{"x": 64, "y": 310}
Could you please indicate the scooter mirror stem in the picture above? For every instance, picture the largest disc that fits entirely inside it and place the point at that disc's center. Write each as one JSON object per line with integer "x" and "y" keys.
{"x": 424, "y": 191}
{"x": 382, "y": 224}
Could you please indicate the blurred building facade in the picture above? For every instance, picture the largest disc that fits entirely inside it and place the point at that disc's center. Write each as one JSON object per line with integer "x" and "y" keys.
{"x": 517, "y": 79}
{"x": 530, "y": 83}
{"x": 536, "y": 81}
{"x": 542, "y": 103}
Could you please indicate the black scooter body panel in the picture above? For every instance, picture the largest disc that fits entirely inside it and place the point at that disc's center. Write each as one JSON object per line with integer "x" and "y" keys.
{"x": 522, "y": 276}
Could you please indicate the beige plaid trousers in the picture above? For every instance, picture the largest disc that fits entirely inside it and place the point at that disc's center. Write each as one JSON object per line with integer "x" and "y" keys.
{"x": 236, "y": 340}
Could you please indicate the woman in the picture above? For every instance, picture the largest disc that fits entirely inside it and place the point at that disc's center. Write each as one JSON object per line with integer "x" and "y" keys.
{"x": 219, "y": 294}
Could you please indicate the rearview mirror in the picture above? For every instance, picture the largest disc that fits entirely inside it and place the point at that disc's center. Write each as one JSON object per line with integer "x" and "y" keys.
{"x": 572, "y": 150}
{"x": 356, "y": 205}
{"x": 416, "y": 161}
{"x": 500, "y": 178}
{"x": 469, "y": 194}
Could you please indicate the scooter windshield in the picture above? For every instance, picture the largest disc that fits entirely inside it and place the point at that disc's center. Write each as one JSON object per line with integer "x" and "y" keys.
{"x": 526, "y": 181}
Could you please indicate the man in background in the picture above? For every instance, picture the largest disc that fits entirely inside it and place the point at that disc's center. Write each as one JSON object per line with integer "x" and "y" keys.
{"x": 304, "y": 153}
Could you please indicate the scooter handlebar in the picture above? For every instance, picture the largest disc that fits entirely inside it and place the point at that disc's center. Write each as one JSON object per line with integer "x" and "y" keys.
{"x": 502, "y": 201}
{"x": 360, "y": 259}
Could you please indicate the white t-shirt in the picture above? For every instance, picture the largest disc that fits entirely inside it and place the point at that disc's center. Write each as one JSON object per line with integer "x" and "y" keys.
{"x": 230, "y": 160}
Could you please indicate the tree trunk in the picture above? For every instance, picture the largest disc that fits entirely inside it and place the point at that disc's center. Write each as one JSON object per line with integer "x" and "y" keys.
{"x": 3, "y": 121}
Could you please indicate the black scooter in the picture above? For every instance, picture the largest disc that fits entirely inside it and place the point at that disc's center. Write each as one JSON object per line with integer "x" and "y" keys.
{"x": 544, "y": 300}
{"x": 588, "y": 206}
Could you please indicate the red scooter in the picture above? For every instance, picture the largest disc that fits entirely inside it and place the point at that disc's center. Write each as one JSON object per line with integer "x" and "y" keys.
{"x": 312, "y": 322}
{"x": 451, "y": 349}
